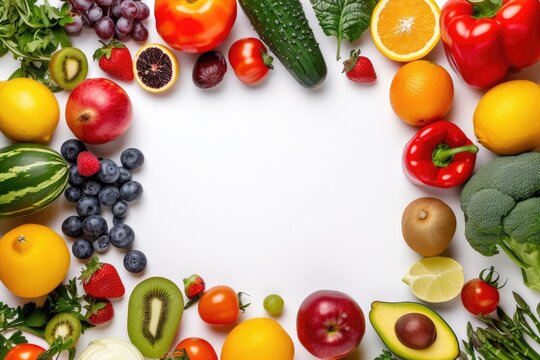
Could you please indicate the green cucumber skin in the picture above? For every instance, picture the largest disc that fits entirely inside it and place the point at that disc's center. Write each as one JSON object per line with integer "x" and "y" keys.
{"x": 283, "y": 26}
{"x": 32, "y": 176}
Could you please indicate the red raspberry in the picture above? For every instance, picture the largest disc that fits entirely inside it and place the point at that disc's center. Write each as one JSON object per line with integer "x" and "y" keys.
{"x": 87, "y": 163}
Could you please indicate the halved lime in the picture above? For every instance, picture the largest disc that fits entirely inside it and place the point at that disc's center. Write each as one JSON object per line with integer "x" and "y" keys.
{"x": 435, "y": 279}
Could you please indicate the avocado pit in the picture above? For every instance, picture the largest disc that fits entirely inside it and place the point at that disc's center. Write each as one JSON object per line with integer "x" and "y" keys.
{"x": 416, "y": 331}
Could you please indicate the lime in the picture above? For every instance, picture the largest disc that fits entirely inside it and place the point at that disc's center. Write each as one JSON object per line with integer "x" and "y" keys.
{"x": 435, "y": 279}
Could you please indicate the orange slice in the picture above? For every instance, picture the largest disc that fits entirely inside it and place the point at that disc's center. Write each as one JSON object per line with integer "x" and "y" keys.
{"x": 405, "y": 30}
{"x": 155, "y": 68}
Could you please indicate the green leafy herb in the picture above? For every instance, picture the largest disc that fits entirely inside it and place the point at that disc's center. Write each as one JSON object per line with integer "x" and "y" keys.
{"x": 58, "y": 347}
{"x": 344, "y": 19}
{"x": 386, "y": 355}
{"x": 32, "y": 33}
{"x": 33, "y": 319}
{"x": 505, "y": 337}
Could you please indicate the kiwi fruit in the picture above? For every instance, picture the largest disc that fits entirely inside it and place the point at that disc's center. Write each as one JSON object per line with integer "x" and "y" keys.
{"x": 65, "y": 326}
{"x": 68, "y": 67}
{"x": 154, "y": 312}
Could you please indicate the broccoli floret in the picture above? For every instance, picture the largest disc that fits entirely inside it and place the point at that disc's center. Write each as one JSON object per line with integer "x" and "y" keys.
{"x": 523, "y": 223}
{"x": 501, "y": 203}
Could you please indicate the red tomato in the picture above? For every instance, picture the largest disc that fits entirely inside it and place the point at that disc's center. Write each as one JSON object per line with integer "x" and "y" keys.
{"x": 249, "y": 60}
{"x": 197, "y": 349}
{"x": 219, "y": 306}
{"x": 24, "y": 352}
{"x": 194, "y": 25}
{"x": 479, "y": 297}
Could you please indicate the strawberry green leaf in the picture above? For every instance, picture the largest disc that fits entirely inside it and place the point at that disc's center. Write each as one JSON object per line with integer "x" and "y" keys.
{"x": 344, "y": 19}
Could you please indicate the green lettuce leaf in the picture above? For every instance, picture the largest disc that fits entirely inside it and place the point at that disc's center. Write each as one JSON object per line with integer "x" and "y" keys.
{"x": 344, "y": 19}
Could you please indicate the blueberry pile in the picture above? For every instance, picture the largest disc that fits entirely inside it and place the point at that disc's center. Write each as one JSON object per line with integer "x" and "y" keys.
{"x": 111, "y": 187}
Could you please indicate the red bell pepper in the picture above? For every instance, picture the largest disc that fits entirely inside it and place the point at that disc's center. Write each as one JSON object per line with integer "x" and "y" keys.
{"x": 439, "y": 155}
{"x": 483, "y": 39}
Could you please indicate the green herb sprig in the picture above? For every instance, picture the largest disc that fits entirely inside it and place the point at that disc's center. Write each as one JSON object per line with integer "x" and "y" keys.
{"x": 32, "y": 33}
{"x": 32, "y": 319}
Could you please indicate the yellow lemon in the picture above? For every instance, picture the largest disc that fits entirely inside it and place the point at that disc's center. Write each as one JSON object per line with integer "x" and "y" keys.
{"x": 258, "y": 339}
{"x": 33, "y": 260}
{"x": 507, "y": 118}
{"x": 29, "y": 111}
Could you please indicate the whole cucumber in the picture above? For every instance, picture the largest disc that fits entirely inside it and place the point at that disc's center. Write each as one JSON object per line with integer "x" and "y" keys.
{"x": 283, "y": 26}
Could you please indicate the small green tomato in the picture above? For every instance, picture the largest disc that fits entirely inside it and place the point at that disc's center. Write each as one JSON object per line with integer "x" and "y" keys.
{"x": 273, "y": 304}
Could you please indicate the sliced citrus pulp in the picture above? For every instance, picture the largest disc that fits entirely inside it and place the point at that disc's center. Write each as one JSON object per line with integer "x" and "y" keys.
{"x": 155, "y": 68}
{"x": 405, "y": 30}
{"x": 435, "y": 279}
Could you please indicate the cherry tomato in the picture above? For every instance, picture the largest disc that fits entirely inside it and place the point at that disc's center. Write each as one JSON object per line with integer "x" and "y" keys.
{"x": 249, "y": 60}
{"x": 481, "y": 295}
{"x": 197, "y": 349}
{"x": 219, "y": 306}
{"x": 194, "y": 25}
{"x": 24, "y": 352}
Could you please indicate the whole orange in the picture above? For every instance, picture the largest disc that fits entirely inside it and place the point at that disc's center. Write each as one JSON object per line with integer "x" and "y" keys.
{"x": 34, "y": 260}
{"x": 421, "y": 92}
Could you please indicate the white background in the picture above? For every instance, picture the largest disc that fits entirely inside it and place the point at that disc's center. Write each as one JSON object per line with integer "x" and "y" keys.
{"x": 276, "y": 189}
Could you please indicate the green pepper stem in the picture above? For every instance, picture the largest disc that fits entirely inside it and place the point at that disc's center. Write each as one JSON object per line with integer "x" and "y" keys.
{"x": 485, "y": 8}
{"x": 443, "y": 154}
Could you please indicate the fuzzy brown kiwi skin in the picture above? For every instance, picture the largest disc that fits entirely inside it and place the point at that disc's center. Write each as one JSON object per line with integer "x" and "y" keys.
{"x": 63, "y": 319}
{"x": 58, "y": 71}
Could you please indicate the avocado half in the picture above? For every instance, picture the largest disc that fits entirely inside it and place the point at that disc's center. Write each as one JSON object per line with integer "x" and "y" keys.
{"x": 383, "y": 317}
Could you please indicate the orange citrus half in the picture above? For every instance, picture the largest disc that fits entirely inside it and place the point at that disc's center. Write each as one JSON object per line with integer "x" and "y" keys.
{"x": 405, "y": 30}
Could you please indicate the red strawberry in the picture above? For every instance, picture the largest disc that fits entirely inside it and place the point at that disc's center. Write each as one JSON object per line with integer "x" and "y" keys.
{"x": 194, "y": 286}
{"x": 115, "y": 59}
{"x": 359, "y": 68}
{"x": 101, "y": 280}
{"x": 87, "y": 163}
{"x": 99, "y": 311}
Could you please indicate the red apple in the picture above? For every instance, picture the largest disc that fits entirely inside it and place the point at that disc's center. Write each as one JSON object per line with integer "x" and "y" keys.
{"x": 330, "y": 324}
{"x": 98, "y": 111}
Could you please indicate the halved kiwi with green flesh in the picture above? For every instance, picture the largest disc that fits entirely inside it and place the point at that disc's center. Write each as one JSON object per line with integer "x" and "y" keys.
{"x": 154, "y": 313}
{"x": 68, "y": 67}
{"x": 65, "y": 326}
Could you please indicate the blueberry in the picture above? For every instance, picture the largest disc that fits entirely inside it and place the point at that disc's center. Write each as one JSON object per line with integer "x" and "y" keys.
{"x": 108, "y": 172}
{"x": 132, "y": 190}
{"x": 135, "y": 261}
{"x": 118, "y": 220}
{"x": 132, "y": 158}
{"x": 120, "y": 209}
{"x": 72, "y": 194}
{"x": 94, "y": 226}
{"x": 121, "y": 236}
{"x": 71, "y": 149}
{"x": 82, "y": 249}
{"x": 91, "y": 187}
{"x": 72, "y": 226}
{"x": 75, "y": 179}
{"x": 101, "y": 244}
{"x": 108, "y": 195}
{"x": 88, "y": 206}
{"x": 125, "y": 175}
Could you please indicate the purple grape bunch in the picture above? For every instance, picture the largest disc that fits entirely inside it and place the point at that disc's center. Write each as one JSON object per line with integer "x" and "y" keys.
{"x": 120, "y": 19}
